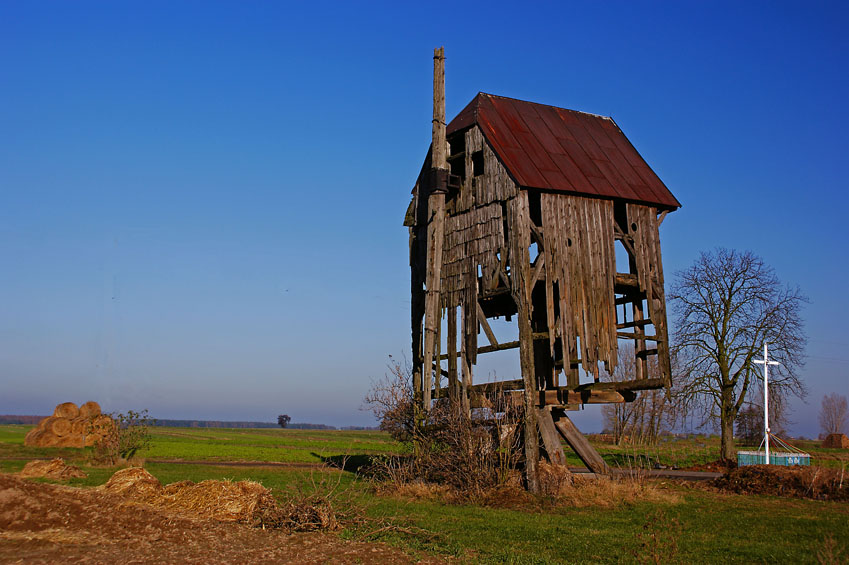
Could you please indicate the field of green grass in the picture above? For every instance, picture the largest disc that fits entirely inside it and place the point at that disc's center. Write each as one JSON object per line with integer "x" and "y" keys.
{"x": 706, "y": 526}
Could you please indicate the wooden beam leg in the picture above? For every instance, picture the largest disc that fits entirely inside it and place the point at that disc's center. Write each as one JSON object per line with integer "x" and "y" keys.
{"x": 579, "y": 443}
{"x": 453, "y": 384}
{"x": 550, "y": 437}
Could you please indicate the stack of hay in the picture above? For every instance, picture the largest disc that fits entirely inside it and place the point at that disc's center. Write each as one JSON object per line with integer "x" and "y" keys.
{"x": 838, "y": 441}
{"x": 71, "y": 426}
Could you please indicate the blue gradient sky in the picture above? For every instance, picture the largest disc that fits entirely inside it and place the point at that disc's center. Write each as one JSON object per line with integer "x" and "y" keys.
{"x": 201, "y": 203}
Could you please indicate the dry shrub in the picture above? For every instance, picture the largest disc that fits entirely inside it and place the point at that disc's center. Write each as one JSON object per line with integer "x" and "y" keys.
{"x": 796, "y": 482}
{"x": 118, "y": 437}
{"x": 307, "y": 515}
{"x": 469, "y": 453}
{"x": 55, "y": 469}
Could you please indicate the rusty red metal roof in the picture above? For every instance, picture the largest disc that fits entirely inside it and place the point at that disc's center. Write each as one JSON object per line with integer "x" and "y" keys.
{"x": 553, "y": 148}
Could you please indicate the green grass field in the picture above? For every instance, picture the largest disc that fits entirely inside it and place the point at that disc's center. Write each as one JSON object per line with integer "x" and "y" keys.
{"x": 707, "y": 527}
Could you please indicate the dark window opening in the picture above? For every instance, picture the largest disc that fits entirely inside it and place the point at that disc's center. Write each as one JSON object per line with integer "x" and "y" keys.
{"x": 477, "y": 163}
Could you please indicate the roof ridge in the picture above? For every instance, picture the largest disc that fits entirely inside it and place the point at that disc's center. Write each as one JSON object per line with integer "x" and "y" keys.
{"x": 480, "y": 93}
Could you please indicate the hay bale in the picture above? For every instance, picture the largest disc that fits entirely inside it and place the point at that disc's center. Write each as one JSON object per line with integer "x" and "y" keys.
{"x": 79, "y": 426}
{"x": 55, "y": 469}
{"x": 71, "y": 427}
{"x": 836, "y": 441}
{"x": 134, "y": 482}
{"x": 90, "y": 409}
{"x": 33, "y": 437}
{"x": 61, "y": 426}
{"x": 66, "y": 410}
{"x": 48, "y": 439}
{"x": 69, "y": 441}
{"x": 102, "y": 424}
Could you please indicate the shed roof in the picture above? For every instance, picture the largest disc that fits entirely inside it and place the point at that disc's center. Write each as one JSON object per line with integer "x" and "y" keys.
{"x": 553, "y": 148}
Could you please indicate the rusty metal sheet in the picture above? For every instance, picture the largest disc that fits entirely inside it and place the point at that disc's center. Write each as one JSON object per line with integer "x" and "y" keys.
{"x": 558, "y": 149}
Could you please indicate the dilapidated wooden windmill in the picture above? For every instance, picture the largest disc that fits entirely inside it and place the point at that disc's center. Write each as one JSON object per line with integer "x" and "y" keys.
{"x": 518, "y": 212}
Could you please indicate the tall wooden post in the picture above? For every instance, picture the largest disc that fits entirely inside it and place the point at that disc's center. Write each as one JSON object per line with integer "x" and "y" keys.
{"x": 520, "y": 264}
{"x": 436, "y": 224}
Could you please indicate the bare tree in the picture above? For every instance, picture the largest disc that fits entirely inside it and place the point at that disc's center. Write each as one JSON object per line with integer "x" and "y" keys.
{"x": 283, "y": 420}
{"x": 727, "y": 305}
{"x": 643, "y": 420}
{"x": 834, "y": 414}
{"x": 750, "y": 419}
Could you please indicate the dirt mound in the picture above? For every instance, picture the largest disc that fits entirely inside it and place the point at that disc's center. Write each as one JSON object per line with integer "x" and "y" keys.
{"x": 45, "y": 523}
{"x": 55, "y": 469}
{"x": 717, "y": 466}
{"x": 839, "y": 441}
{"x": 795, "y": 482}
{"x": 71, "y": 426}
{"x": 247, "y": 502}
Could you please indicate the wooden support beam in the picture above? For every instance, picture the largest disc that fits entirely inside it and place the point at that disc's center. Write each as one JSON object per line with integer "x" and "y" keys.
{"x": 539, "y": 270}
{"x": 622, "y": 387}
{"x": 453, "y": 382}
{"x": 644, "y": 353}
{"x": 518, "y": 220}
{"x": 486, "y": 329}
{"x": 550, "y": 437}
{"x": 634, "y": 324}
{"x": 579, "y": 443}
{"x": 502, "y": 346}
{"x": 435, "y": 227}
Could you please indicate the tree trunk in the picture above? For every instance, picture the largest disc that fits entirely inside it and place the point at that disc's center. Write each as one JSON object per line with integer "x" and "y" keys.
{"x": 727, "y": 449}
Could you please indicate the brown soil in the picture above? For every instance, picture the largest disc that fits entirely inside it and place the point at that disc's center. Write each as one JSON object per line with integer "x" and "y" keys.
{"x": 45, "y": 523}
{"x": 796, "y": 482}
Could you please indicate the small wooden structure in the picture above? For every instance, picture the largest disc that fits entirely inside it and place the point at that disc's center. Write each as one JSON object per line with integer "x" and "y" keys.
{"x": 517, "y": 212}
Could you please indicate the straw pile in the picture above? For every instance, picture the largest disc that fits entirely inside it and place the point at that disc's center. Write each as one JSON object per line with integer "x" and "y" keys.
{"x": 56, "y": 469}
{"x": 839, "y": 441}
{"x": 71, "y": 426}
{"x": 226, "y": 501}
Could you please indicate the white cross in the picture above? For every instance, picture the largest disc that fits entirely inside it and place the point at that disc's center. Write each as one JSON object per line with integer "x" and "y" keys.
{"x": 766, "y": 363}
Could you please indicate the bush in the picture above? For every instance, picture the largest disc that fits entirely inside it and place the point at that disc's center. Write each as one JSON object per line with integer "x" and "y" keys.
{"x": 121, "y": 438}
{"x": 468, "y": 452}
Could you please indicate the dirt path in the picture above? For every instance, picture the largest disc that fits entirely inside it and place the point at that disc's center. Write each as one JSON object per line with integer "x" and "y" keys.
{"x": 46, "y": 523}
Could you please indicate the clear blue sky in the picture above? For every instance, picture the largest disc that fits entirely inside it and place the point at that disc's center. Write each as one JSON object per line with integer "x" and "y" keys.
{"x": 202, "y": 202}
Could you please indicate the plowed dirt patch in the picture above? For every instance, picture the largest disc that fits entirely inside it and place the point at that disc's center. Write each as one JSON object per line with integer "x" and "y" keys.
{"x": 45, "y": 523}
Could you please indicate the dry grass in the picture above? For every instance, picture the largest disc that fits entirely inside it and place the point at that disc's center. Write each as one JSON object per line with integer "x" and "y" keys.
{"x": 55, "y": 469}
{"x": 560, "y": 488}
